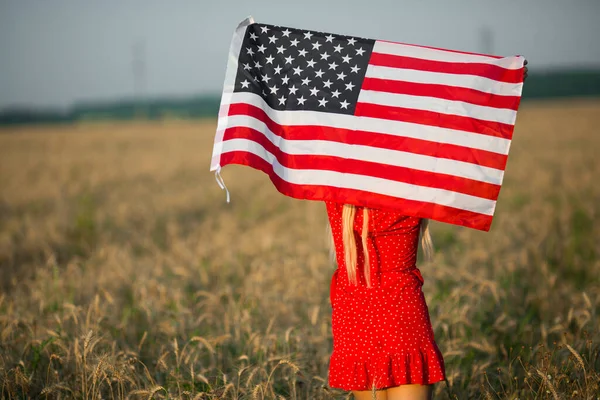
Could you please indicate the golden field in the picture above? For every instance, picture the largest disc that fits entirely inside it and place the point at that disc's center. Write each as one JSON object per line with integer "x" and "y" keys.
{"x": 125, "y": 274}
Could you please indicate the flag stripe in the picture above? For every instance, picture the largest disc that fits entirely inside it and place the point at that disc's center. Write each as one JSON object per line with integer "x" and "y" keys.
{"x": 442, "y": 91}
{"x": 435, "y": 54}
{"x": 385, "y": 126}
{"x": 351, "y": 137}
{"x": 489, "y": 71}
{"x": 438, "y": 106}
{"x": 465, "y": 81}
{"x": 324, "y": 161}
{"x": 433, "y": 118}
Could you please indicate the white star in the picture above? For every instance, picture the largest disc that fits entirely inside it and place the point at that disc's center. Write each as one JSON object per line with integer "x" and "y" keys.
{"x": 316, "y": 45}
{"x": 280, "y": 49}
{"x": 302, "y": 52}
{"x": 247, "y": 67}
{"x": 250, "y": 51}
{"x": 322, "y": 102}
{"x": 272, "y": 39}
{"x": 307, "y": 35}
{"x": 355, "y": 69}
{"x": 253, "y": 36}
{"x": 274, "y": 89}
{"x": 301, "y": 100}
{"x": 344, "y": 104}
{"x": 329, "y": 38}
{"x": 336, "y": 93}
{"x": 257, "y": 65}
{"x": 293, "y": 89}
{"x": 327, "y": 84}
{"x": 270, "y": 60}
{"x": 285, "y": 80}
{"x": 324, "y": 56}
{"x": 294, "y": 42}
{"x": 346, "y": 59}
{"x": 360, "y": 51}
{"x": 289, "y": 60}
{"x": 266, "y": 78}
{"x": 282, "y": 100}
{"x": 314, "y": 91}
{"x": 245, "y": 84}
{"x": 319, "y": 73}
{"x": 351, "y": 41}
{"x": 333, "y": 66}
{"x": 305, "y": 81}
{"x": 349, "y": 86}
{"x": 341, "y": 76}
{"x": 286, "y": 33}
{"x": 262, "y": 48}
{"x": 297, "y": 71}
{"x": 311, "y": 63}
{"x": 264, "y": 29}
{"x": 338, "y": 48}
{"x": 277, "y": 70}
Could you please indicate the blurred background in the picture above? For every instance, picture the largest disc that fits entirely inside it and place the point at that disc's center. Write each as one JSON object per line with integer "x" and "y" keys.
{"x": 125, "y": 274}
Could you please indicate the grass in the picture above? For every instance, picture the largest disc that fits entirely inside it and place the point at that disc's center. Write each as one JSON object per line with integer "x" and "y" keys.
{"x": 125, "y": 274}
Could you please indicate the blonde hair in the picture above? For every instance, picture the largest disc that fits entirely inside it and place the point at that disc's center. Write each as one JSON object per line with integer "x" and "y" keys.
{"x": 349, "y": 242}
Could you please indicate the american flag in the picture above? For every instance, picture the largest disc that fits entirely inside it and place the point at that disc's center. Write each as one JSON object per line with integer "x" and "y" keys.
{"x": 381, "y": 124}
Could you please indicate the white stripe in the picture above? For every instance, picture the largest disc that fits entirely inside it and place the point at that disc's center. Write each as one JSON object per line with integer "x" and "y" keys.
{"x": 365, "y": 183}
{"x": 425, "y": 53}
{"x": 397, "y": 158}
{"x": 438, "y": 105}
{"x": 474, "y": 82}
{"x": 375, "y": 125}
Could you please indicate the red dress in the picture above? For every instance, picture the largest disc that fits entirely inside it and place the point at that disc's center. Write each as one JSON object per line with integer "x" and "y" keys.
{"x": 382, "y": 335}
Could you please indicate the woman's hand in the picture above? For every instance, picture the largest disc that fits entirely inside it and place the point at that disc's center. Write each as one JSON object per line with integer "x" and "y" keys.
{"x": 525, "y": 71}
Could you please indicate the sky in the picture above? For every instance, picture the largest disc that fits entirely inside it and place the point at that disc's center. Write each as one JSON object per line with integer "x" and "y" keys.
{"x": 54, "y": 53}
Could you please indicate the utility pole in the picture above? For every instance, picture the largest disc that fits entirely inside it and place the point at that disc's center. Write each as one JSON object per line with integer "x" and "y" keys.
{"x": 138, "y": 63}
{"x": 486, "y": 40}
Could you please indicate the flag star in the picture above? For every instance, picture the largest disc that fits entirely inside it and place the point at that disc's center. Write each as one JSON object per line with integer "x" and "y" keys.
{"x": 277, "y": 70}
{"x": 286, "y": 33}
{"x": 293, "y": 89}
{"x": 324, "y": 56}
{"x": 280, "y": 49}
{"x": 274, "y": 89}
{"x": 301, "y": 100}
{"x": 350, "y": 86}
{"x": 289, "y": 59}
{"x": 333, "y": 66}
{"x": 257, "y": 65}
{"x": 341, "y": 76}
{"x": 307, "y": 35}
{"x": 297, "y": 71}
{"x": 270, "y": 59}
{"x": 247, "y": 67}
{"x": 272, "y": 39}
{"x": 303, "y": 52}
{"x": 351, "y": 41}
{"x": 338, "y": 48}
{"x": 329, "y": 39}
{"x": 319, "y": 73}
{"x": 336, "y": 93}
{"x": 311, "y": 63}
{"x": 245, "y": 84}
{"x": 327, "y": 84}
{"x": 253, "y": 36}
{"x": 282, "y": 100}
{"x": 285, "y": 80}
{"x": 355, "y": 69}
{"x": 322, "y": 102}
{"x": 294, "y": 42}
{"x": 305, "y": 81}
{"x": 265, "y": 78}
{"x": 250, "y": 51}
{"x": 314, "y": 91}
{"x": 346, "y": 59}
{"x": 264, "y": 29}
{"x": 316, "y": 45}
{"x": 344, "y": 104}
{"x": 360, "y": 51}
{"x": 262, "y": 48}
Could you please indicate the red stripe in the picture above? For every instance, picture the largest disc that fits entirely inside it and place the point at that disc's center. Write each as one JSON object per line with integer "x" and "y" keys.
{"x": 448, "y": 121}
{"x": 471, "y": 96}
{"x": 443, "y": 50}
{"x": 373, "y": 200}
{"x": 379, "y": 140}
{"x": 489, "y": 71}
{"x": 368, "y": 168}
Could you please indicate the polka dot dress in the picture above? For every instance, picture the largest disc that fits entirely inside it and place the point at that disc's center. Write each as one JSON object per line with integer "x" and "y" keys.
{"x": 382, "y": 335}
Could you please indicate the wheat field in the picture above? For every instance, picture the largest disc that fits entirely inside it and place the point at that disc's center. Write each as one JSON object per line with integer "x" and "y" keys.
{"x": 125, "y": 273}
